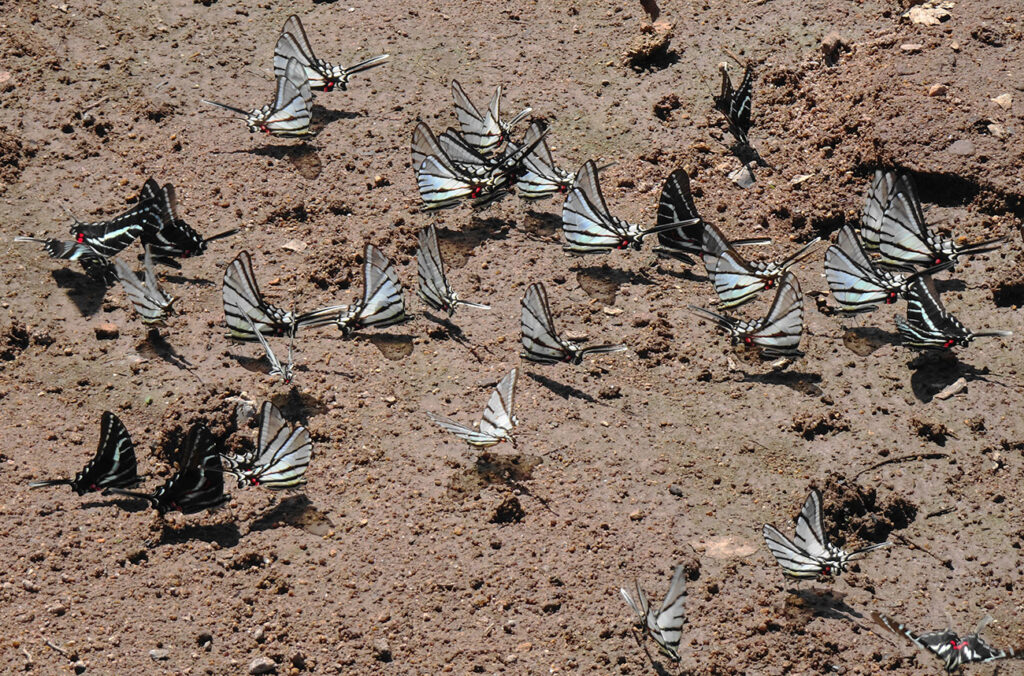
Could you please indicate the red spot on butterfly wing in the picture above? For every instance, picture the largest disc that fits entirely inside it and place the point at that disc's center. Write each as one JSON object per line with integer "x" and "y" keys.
{"x": 80, "y": 237}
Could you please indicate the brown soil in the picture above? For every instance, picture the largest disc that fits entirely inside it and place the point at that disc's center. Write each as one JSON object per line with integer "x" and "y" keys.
{"x": 407, "y": 553}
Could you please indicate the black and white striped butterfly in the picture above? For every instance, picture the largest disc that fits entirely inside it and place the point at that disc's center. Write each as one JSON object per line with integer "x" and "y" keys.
{"x": 199, "y": 482}
{"x": 809, "y": 554}
{"x": 665, "y": 626}
{"x": 948, "y": 646}
{"x": 906, "y": 240}
{"x": 929, "y": 325}
{"x": 148, "y": 299}
{"x": 540, "y": 177}
{"x": 676, "y": 206}
{"x": 434, "y": 288}
{"x": 113, "y": 465}
{"x": 95, "y": 264}
{"x": 498, "y": 419}
{"x": 735, "y": 104}
{"x": 244, "y": 306}
{"x": 383, "y": 301}
{"x": 286, "y": 371}
{"x": 541, "y": 342}
{"x": 171, "y": 237}
{"x": 113, "y": 236}
{"x": 281, "y": 456}
{"x": 876, "y": 200}
{"x": 322, "y": 75}
{"x": 859, "y": 286}
{"x": 778, "y": 333}
{"x": 289, "y": 114}
{"x": 484, "y": 132}
{"x": 589, "y": 227}
{"x": 737, "y": 280}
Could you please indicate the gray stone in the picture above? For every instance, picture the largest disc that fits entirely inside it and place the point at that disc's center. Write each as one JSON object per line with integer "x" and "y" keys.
{"x": 262, "y": 665}
{"x": 962, "y": 147}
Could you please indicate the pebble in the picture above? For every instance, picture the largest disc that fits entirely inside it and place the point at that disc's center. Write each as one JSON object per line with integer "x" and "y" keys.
{"x": 961, "y": 147}
{"x": 743, "y": 177}
{"x": 938, "y": 90}
{"x": 911, "y": 47}
{"x": 260, "y": 635}
{"x": 107, "y": 331}
{"x": 262, "y": 665}
{"x": 294, "y": 245}
{"x": 204, "y": 639}
{"x": 1004, "y": 101}
{"x": 382, "y": 650}
{"x": 159, "y": 654}
{"x": 79, "y": 667}
{"x": 636, "y": 515}
{"x": 676, "y": 490}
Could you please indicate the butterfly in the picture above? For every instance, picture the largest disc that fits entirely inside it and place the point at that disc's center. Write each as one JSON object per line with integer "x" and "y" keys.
{"x": 541, "y": 343}
{"x": 152, "y": 304}
{"x": 172, "y": 237}
{"x": 281, "y": 456}
{"x": 244, "y": 306}
{"x": 948, "y": 646}
{"x": 199, "y": 482}
{"x": 323, "y": 76}
{"x": 434, "y": 288}
{"x": 856, "y": 283}
{"x": 95, "y": 264}
{"x": 113, "y": 236}
{"x": 735, "y": 104}
{"x": 589, "y": 227}
{"x": 736, "y": 280}
{"x": 929, "y": 325}
{"x": 665, "y": 625}
{"x": 876, "y": 200}
{"x": 778, "y": 333}
{"x": 289, "y": 114}
{"x": 113, "y": 465}
{"x": 810, "y": 554}
{"x": 383, "y": 301}
{"x": 286, "y": 371}
{"x": 483, "y": 132}
{"x": 676, "y": 206}
{"x": 498, "y": 419}
{"x": 540, "y": 177}
{"x": 904, "y": 236}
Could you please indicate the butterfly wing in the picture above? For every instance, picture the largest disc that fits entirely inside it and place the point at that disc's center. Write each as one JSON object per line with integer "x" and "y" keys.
{"x": 674, "y": 205}
{"x": 735, "y": 281}
{"x": 903, "y": 236}
{"x": 283, "y": 452}
{"x": 383, "y": 302}
{"x": 482, "y": 132}
{"x": 876, "y": 200}
{"x": 440, "y": 185}
{"x": 795, "y": 562}
{"x": 114, "y": 463}
{"x": 244, "y": 302}
{"x": 810, "y": 528}
{"x": 499, "y": 418}
{"x": 433, "y": 288}
{"x": 668, "y": 622}
{"x": 290, "y": 113}
{"x": 468, "y": 434}
{"x": 540, "y": 177}
{"x": 854, "y": 282}
{"x": 586, "y": 223}
{"x": 541, "y": 342}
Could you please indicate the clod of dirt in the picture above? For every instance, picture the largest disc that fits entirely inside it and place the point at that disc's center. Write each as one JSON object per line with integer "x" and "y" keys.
{"x": 13, "y": 156}
{"x": 14, "y": 341}
{"x": 107, "y": 331}
{"x": 813, "y": 426}
{"x": 382, "y": 651}
{"x": 509, "y": 511}
{"x": 651, "y": 50}
{"x": 610, "y": 392}
{"x": 855, "y": 512}
{"x": 665, "y": 105}
{"x": 832, "y": 46}
{"x": 930, "y": 430}
{"x": 987, "y": 35}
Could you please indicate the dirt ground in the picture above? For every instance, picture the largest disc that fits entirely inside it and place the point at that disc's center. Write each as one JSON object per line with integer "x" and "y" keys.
{"x": 408, "y": 553}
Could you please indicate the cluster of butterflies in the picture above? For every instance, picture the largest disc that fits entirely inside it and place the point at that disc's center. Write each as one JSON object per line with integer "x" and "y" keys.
{"x": 278, "y": 460}
{"x": 298, "y": 72}
{"x": 809, "y": 555}
{"x": 908, "y": 254}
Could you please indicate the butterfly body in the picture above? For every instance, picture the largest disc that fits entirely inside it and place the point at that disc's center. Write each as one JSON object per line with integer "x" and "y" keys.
{"x": 929, "y": 326}
{"x": 322, "y": 75}
{"x": 948, "y": 646}
{"x": 383, "y": 300}
{"x": 289, "y": 114}
{"x": 281, "y": 456}
{"x": 95, "y": 264}
{"x": 664, "y": 625}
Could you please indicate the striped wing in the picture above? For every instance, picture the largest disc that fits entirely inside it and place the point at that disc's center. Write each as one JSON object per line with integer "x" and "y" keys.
{"x": 499, "y": 419}
{"x": 735, "y": 281}
{"x": 483, "y": 132}
{"x": 641, "y": 607}
{"x": 434, "y": 288}
{"x": 795, "y": 562}
{"x": 904, "y": 238}
{"x": 383, "y": 302}
{"x": 779, "y": 333}
{"x": 95, "y": 264}
{"x": 111, "y": 237}
{"x": 666, "y": 626}
{"x": 199, "y": 483}
{"x": 854, "y": 282}
{"x": 173, "y": 237}
{"x": 471, "y": 436}
{"x": 928, "y": 324}
{"x": 290, "y": 113}
{"x": 876, "y": 200}
{"x": 541, "y": 342}
{"x": 440, "y": 186}
{"x": 540, "y": 177}
{"x": 294, "y": 44}
{"x": 425, "y": 144}
{"x": 736, "y": 104}
{"x": 149, "y": 301}
{"x": 676, "y": 204}
{"x": 494, "y": 114}
{"x": 810, "y": 529}
{"x": 243, "y": 303}
{"x": 586, "y": 223}
{"x": 284, "y": 453}
{"x": 276, "y": 368}
{"x": 461, "y": 153}
{"x": 113, "y": 465}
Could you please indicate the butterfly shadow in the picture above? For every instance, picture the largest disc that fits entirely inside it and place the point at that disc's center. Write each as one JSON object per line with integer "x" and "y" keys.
{"x": 296, "y": 405}
{"x": 85, "y": 292}
{"x": 935, "y": 371}
{"x": 945, "y": 285}
{"x": 451, "y": 330}
{"x": 828, "y": 604}
{"x": 686, "y": 273}
{"x": 393, "y": 346}
{"x": 457, "y": 245}
{"x": 562, "y": 390}
{"x": 746, "y": 154}
{"x": 602, "y": 283}
{"x": 155, "y": 345}
{"x": 804, "y": 383}
{"x": 322, "y": 116}
{"x": 304, "y": 157}
{"x": 542, "y": 226}
{"x": 638, "y": 636}
{"x": 125, "y": 504}
{"x": 195, "y": 281}
{"x": 224, "y": 534}
{"x": 863, "y": 340}
{"x": 297, "y": 511}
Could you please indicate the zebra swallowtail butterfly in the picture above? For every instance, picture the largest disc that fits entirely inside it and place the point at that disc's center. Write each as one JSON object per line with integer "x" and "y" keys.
{"x": 483, "y": 132}
{"x": 434, "y": 288}
{"x": 809, "y": 554}
{"x": 498, "y": 419}
{"x": 541, "y": 343}
{"x": 676, "y": 206}
{"x": 286, "y": 371}
{"x": 737, "y": 280}
{"x": 281, "y": 456}
{"x": 876, "y": 201}
{"x": 113, "y": 465}
{"x": 856, "y": 284}
{"x": 322, "y": 76}
{"x": 540, "y": 177}
{"x": 948, "y": 646}
{"x": 111, "y": 237}
{"x": 929, "y": 325}
{"x": 665, "y": 626}
{"x": 95, "y": 264}
{"x": 172, "y": 237}
{"x": 289, "y": 114}
{"x": 778, "y": 333}
{"x": 589, "y": 227}
{"x": 904, "y": 236}
{"x": 199, "y": 482}
{"x": 152, "y": 304}
{"x": 735, "y": 104}
{"x": 383, "y": 301}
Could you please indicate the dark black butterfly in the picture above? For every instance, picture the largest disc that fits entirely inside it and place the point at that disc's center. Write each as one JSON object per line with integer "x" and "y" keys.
{"x": 929, "y": 325}
{"x": 735, "y": 104}
{"x": 172, "y": 237}
{"x": 948, "y": 646}
{"x": 95, "y": 264}
{"x": 113, "y": 465}
{"x": 199, "y": 482}
{"x": 111, "y": 237}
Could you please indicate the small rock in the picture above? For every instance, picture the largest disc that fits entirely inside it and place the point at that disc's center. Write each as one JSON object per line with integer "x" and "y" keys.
{"x": 4, "y": 76}
{"x": 959, "y": 385}
{"x": 676, "y": 490}
{"x": 612, "y": 311}
{"x": 636, "y": 515}
{"x": 832, "y": 45}
{"x": 997, "y": 130}
{"x": 610, "y": 392}
{"x": 57, "y": 609}
{"x": 575, "y": 336}
{"x": 926, "y": 15}
{"x": 159, "y": 654}
{"x": 1004, "y": 101}
{"x": 245, "y": 409}
{"x": 911, "y": 47}
{"x": 29, "y": 586}
{"x": 107, "y": 331}
{"x": 262, "y": 665}
{"x": 204, "y": 639}
{"x": 743, "y": 177}
{"x": 938, "y": 90}
{"x": 962, "y": 147}
{"x": 294, "y": 245}
{"x": 382, "y": 651}
{"x": 955, "y": 46}
{"x": 80, "y": 667}
{"x": 799, "y": 178}
{"x": 511, "y": 658}
{"x": 260, "y": 635}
